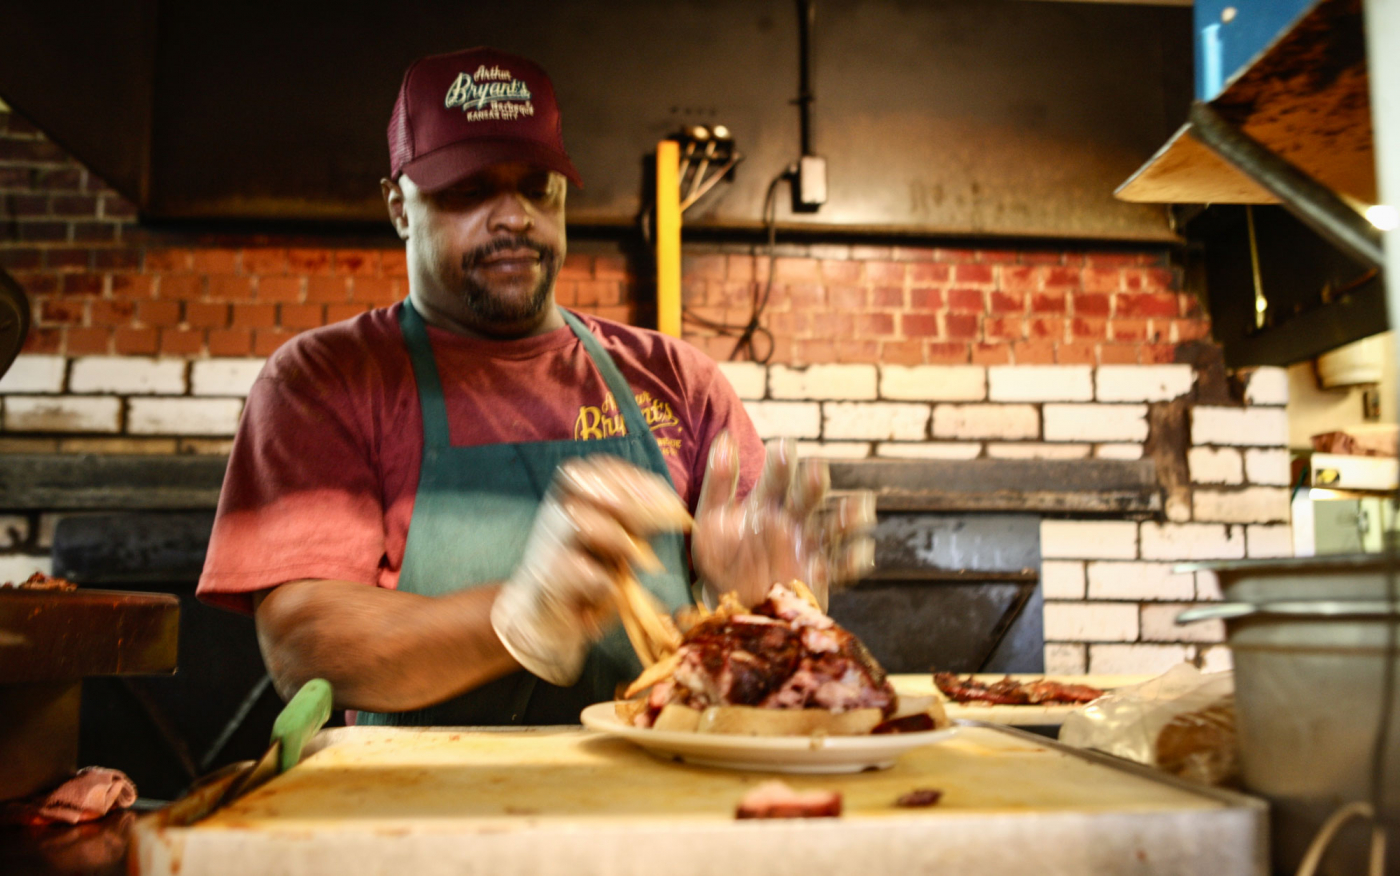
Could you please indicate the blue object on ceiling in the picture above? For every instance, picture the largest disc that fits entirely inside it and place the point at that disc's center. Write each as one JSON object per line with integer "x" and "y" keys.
{"x": 1231, "y": 33}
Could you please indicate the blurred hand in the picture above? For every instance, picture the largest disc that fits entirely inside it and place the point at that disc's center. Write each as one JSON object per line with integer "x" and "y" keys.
{"x": 784, "y": 529}
{"x": 595, "y": 518}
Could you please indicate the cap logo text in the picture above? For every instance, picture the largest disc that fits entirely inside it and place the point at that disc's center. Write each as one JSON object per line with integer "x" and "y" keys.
{"x": 490, "y": 94}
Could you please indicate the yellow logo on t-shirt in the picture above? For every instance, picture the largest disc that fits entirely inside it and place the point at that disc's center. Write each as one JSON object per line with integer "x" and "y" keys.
{"x": 605, "y": 421}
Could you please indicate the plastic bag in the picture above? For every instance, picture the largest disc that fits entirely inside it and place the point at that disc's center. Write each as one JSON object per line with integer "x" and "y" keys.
{"x": 1183, "y": 722}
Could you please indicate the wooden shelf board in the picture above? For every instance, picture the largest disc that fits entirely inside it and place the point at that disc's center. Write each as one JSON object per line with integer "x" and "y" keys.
{"x": 1306, "y": 97}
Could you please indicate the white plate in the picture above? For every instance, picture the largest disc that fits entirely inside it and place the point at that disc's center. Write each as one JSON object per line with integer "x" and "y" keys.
{"x": 776, "y": 754}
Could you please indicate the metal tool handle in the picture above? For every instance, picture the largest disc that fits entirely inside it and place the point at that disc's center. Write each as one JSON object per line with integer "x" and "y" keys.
{"x": 301, "y": 718}
{"x": 1300, "y": 609}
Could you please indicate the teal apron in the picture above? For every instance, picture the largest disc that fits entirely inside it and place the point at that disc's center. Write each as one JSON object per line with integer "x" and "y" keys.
{"x": 471, "y": 517}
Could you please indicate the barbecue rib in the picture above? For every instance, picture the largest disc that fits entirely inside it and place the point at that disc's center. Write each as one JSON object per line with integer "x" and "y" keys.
{"x": 784, "y": 653}
{"x": 1009, "y": 692}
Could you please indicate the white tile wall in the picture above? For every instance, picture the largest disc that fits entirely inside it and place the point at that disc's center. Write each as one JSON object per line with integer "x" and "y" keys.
{"x": 821, "y": 382}
{"x": 876, "y": 421}
{"x": 34, "y": 373}
{"x": 127, "y": 375}
{"x": 1040, "y": 383}
{"x": 785, "y": 419}
{"x": 183, "y": 416}
{"x": 1088, "y": 539}
{"x": 1095, "y": 422}
{"x": 63, "y": 413}
{"x": 1139, "y": 581}
{"x": 1215, "y": 465}
{"x": 749, "y": 379}
{"x": 1142, "y": 383}
{"x": 933, "y": 382}
{"x": 1005, "y": 422}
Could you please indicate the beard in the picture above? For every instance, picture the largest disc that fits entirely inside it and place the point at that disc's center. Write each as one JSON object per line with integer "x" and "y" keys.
{"x": 492, "y": 306}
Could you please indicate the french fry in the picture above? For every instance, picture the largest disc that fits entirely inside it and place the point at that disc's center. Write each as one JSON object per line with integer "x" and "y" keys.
{"x": 805, "y": 593}
{"x": 659, "y": 671}
{"x": 633, "y": 628}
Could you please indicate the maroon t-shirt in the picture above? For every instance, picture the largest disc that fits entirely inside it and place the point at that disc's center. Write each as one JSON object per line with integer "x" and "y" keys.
{"x": 325, "y": 465}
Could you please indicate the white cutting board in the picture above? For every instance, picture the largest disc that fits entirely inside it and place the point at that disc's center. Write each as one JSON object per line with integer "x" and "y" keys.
{"x": 565, "y": 802}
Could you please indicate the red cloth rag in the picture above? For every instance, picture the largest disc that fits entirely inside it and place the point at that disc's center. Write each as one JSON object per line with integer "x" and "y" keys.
{"x": 89, "y": 795}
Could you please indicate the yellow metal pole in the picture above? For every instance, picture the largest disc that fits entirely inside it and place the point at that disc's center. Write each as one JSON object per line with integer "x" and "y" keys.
{"x": 668, "y": 238}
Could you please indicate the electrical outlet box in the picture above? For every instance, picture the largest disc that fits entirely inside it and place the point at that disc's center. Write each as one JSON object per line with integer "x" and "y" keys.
{"x": 809, "y": 191}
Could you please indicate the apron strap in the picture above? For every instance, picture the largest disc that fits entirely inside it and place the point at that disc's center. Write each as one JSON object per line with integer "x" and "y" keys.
{"x": 622, "y": 394}
{"x": 420, "y": 352}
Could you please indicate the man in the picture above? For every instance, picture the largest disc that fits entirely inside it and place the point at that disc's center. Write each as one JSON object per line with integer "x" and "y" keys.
{"x": 488, "y": 462}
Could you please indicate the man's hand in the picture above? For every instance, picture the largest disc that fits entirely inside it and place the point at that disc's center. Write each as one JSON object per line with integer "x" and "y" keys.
{"x": 784, "y": 529}
{"x": 595, "y": 518}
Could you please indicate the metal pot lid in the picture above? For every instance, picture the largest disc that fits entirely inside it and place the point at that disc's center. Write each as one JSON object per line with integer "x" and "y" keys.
{"x": 1312, "y": 608}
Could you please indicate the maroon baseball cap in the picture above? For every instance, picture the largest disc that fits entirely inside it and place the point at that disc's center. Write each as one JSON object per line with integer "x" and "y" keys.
{"x": 460, "y": 113}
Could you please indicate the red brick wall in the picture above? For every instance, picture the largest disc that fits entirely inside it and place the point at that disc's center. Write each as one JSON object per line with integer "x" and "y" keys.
{"x": 101, "y": 283}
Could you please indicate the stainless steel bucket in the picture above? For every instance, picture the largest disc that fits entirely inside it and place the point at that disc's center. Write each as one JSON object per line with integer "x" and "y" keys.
{"x": 1309, "y": 638}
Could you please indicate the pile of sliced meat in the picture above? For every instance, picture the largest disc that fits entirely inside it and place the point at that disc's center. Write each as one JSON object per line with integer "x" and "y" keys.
{"x": 783, "y": 653}
{"x": 1010, "y": 692}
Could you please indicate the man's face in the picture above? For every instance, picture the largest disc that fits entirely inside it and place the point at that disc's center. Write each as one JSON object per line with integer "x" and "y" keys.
{"x": 483, "y": 253}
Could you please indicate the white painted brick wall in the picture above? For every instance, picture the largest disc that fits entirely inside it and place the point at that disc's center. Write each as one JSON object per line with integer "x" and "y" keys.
{"x": 15, "y": 568}
{"x": 933, "y": 382}
{"x": 1267, "y": 386}
{"x": 834, "y": 449}
{"x": 850, "y": 382}
{"x": 229, "y": 376}
{"x": 1159, "y": 625}
{"x": 782, "y": 419}
{"x": 1009, "y": 422}
{"x": 1090, "y": 622}
{"x": 127, "y": 375}
{"x": 749, "y": 379}
{"x": 1207, "y": 586}
{"x": 14, "y": 530}
{"x": 1095, "y": 422}
{"x": 1267, "y": 467}
{"x": 1215, "y": 465}
{"x": 929, "y": 450}
{"x": 1269, "y": 541}
{"x": 1038, "y": 383}
{"x": 1088, "y": 539}
{"x": 1139, "y": 581}
{"x": 1031, "y": 450}
{"x": 1240, "y": 427}
{"x": 1064, "y": 658}
{"x": 62, "y": 413}
{"x": 1118, "y": 451}
{"x": 1192, "y": 541}
{"x": 876, "y": 421}
{"x": 1142, "y": 383}
{"x": 34, "y": 373}
{"x": 183, "y": 416}
{"x": 1250, "y": 505}
{"x": 1062, "y": 580}
{"x": 1135, "y": 659}
{"x": 1217, "y": 659}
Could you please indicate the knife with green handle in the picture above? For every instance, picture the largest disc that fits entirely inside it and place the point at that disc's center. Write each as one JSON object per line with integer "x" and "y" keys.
{"x": 299, "y": 720}
{"x": 304, "y": 715}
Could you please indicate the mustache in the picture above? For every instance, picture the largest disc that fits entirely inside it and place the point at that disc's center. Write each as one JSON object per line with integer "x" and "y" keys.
{"x": 547, "y": 254}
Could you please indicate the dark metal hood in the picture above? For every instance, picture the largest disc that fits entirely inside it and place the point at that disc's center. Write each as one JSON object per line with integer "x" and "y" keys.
{"x": 969, "y": 117}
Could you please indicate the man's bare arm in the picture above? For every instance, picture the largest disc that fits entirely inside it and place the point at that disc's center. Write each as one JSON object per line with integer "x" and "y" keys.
{"x": 381, "y": 650}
